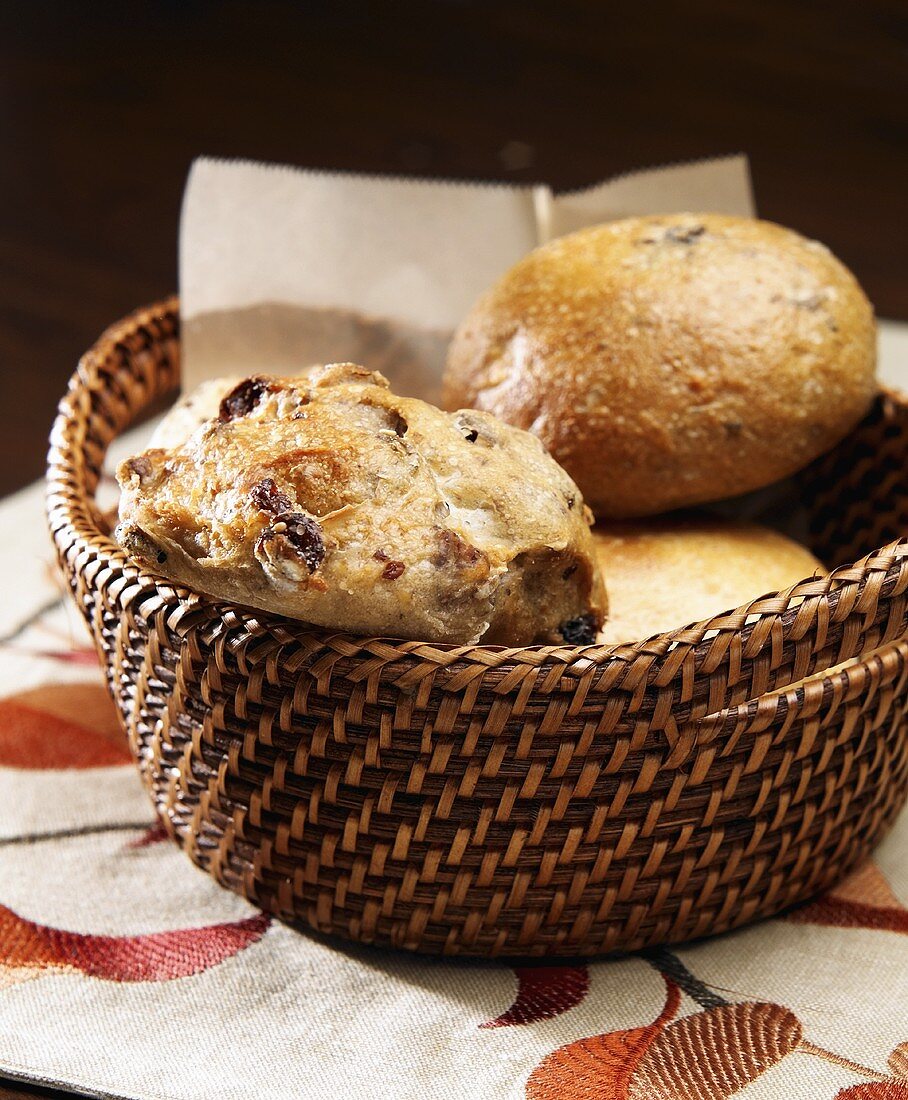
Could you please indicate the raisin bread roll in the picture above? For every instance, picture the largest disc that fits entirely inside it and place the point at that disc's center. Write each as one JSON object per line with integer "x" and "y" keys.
{"x": 668, "y": 361}
{"x": 190, "y": 411}
{"x": 330, "y": 499}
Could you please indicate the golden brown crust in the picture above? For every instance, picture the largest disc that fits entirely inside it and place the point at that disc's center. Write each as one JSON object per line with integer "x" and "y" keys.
{"x": 672, "y": 360}
{"x": 664, "y": 574}
{"x": 330, "y": 499}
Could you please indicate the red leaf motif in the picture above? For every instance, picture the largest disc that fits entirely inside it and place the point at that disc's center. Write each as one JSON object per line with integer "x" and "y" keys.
{"x": 864, "y": 900}
{"x": 601, "y": 1067}
{"x": 542, "y": 993}
{"x": 79, "y": 656}
{"x": 155, "y": 834}
{"x": 156, "y": 957}
{"x": 61, "y": 726}
{"x": 715, "y": 1053}
{"x": 874, "y": 1090}
{"x": 838, "y": 913}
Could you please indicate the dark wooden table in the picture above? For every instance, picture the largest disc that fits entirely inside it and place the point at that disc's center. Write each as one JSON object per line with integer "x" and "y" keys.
{"x": 103, "y": 107}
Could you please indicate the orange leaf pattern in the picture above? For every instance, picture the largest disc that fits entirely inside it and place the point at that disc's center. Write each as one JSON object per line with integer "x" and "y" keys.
{"x": 715, "y": 1053}
{"x": 898, "y": 1060}
{"x": 601, "y": 1067}
{"x": 61, "y": 726}
{"x": 874, "y": 1090}
{"x": 863, "y": 900}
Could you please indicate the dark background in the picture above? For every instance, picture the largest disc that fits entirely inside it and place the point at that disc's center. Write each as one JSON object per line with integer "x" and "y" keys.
{"x": 104, "y": 105}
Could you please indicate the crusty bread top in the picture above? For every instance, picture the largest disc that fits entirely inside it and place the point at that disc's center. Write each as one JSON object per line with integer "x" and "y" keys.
{"x": 328, "y": 498}
{"x": 664, "y": 574}
{"x": 671, "y": 360}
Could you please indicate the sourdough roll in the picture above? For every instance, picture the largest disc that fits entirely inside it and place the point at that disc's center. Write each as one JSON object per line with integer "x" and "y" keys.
{"x": 664, "y": 574}
{"x": 328, "y": 498}
{"x": 668, "y": 361}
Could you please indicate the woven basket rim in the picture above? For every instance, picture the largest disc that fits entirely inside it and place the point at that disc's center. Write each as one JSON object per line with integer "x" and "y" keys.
{"x": 78, "y": 514}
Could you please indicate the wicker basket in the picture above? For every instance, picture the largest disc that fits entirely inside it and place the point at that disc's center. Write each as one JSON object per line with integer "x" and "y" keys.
{"x": 488, "y": 801}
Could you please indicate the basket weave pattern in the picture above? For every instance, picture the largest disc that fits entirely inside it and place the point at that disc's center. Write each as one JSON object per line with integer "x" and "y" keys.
{"x": 486, "y": 801}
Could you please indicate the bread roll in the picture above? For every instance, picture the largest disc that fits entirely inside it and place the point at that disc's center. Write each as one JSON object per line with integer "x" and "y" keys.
{"x": 672, "y": 360}
{"x": 329, "y": 499}
{"x": 190, "y": 411}
{"x": 668, "y": 573}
